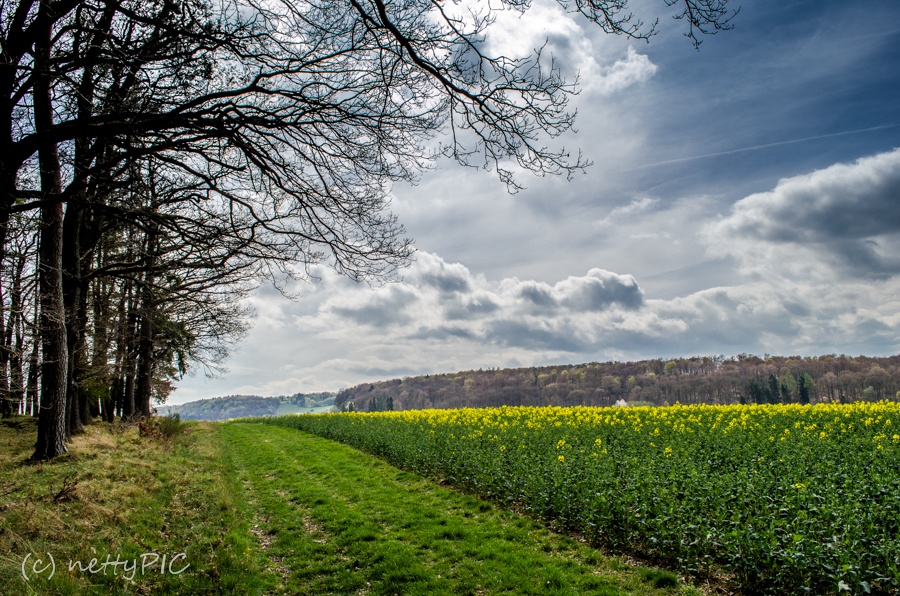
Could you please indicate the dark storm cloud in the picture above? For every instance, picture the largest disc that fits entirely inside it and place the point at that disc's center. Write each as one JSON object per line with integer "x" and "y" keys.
{"x": 386, "y": 308}
{"x": 532, "y": 335}
{"x": 850, "y": 212}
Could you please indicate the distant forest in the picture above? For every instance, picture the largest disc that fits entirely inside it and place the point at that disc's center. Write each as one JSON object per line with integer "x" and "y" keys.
{"x": 239, "y": 406}
{"x": 703, "y": 379}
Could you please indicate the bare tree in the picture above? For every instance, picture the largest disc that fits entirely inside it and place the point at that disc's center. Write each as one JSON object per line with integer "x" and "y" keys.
{"x": 16, "y": 298}
{"x": 288, "y": 120}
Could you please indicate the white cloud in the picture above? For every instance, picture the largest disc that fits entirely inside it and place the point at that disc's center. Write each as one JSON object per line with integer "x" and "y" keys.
{"x": 627, "y": 211}
{"x": 547, "y": 27}
{"x": 440, "y": 299}
{"x": 634, "y": 68}
{"x": 344, "y": 335}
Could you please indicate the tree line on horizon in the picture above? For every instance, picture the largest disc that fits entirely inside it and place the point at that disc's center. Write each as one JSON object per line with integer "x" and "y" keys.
{"x": 744, "y": 379}
{"x": 241, "y": 406}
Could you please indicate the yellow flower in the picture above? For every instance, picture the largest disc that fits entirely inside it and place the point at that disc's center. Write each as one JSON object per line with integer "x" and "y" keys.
{"x": 561, "y": 458}
{"x": 668, "y": 452}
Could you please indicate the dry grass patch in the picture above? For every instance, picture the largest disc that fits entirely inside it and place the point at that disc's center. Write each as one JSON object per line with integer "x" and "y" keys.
{"x": 120, "y": 494}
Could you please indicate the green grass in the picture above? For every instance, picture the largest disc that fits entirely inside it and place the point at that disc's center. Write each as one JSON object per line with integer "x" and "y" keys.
{"x": 335, "y": 521}
{"x": 259, "y": 509}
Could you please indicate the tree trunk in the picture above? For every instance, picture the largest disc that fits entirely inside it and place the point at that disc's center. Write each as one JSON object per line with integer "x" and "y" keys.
{"x": 51, "y": 421}
{"x": 16, "y": 373}
{"x": 143, "y": 390}
{"x": 145, "y": 358}
{"x": 101, "y": 341}
{"x": 110, "y": 403}
{"x": 11, "y": 382}
{"x": 71, "y": 280}
{"x": 31, "y": 391}
{"x": 128, "y": 393}
{"x": 6, "y": 327}
{"x": 80, "y": 239}
{"x": 127, "y": 340}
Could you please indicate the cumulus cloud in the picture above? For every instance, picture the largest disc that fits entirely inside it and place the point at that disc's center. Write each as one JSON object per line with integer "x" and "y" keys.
{"x": 439, "y": 301}
{"x": 632, "y": 69}
{"x": 547, "y": 27}
{"x": 448, "y": 278}
{"x": 596, "y": 291}
{"x": 545, "y": 334}
{"x": 474, "y": 306}
{"x": 344, "y": 334}
{"x": 846, "y": 216}
{"x": 841, "y": 217}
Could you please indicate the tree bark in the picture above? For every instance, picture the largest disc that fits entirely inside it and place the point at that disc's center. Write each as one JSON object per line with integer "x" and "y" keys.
{"x": 144, "y": 387}
{"x": 51, "y": 421}
{"x": 71, "y": 284}
{"x": 6, "y": 409}
{"x": 31, "y": 384}
{"x": 129, "y": 321}
{"x": 128, "y": 392}
{"x": 13, "y": 343}
{"x": 148, "y": 306}
{"x": 17, "y": 305}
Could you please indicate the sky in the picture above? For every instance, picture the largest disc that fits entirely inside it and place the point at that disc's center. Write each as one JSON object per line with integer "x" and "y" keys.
{"x": 743, "y": 198}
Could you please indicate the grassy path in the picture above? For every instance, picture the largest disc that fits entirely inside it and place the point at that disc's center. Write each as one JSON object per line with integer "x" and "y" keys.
{"x": 332, "y": 520}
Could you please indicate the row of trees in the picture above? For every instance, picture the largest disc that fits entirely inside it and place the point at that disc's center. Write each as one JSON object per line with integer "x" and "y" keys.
{"x": 138, "y": 309}
{"x": 238, "y": 406}
{"x": 712, "y": 380}
{"x": 160, "y": 158}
